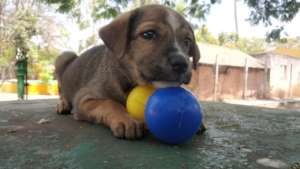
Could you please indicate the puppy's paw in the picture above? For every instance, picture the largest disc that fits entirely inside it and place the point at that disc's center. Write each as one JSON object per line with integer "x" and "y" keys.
{"x": 127, "y": 127}
{"x": 201, "y": 130}
{"x": 62, "y": 107}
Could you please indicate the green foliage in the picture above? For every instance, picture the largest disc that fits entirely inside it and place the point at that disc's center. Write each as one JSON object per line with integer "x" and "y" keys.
{"x": 180, "y": 7}
{"x": 46, "y": 74}
{"x": 275, "y": 34}
{"x": 7, "y": 56}
{"x": 231, "y": 40}
{"x": 261, "y": 11}
{"x": 247, "y": 45}
{"x": 251, "y": 46}
{"x": 191, "y": 8}
{"x": 269, "y": 10}
{"x": 106, "y": 9}
{"x": 41, "y": 63}
{"x": 23, "y": 29}
{"x": 203, "y": 35}
{"x": 21, "y": 22}
{"x": 105, "y": 12}
{"x": 228, "y": 38}
{"x": 266, "y": 11}
{"x": 63, "y": 5}
{"x": 293, "y": 43}
{"x": 198, "y": 9}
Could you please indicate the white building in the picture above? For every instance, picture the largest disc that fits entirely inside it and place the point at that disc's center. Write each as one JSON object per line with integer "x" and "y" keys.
{"x": 284, "y": 77}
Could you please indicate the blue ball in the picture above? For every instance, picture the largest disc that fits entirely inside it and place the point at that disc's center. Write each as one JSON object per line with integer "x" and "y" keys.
{"x": 173, "y": 115}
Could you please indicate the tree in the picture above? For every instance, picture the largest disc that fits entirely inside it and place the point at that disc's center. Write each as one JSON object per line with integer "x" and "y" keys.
{"x": 291, "y": 43}
{"x": 236, "y": 17}
{"x": 203, "y": 35}
{"x": 20, "y": 21}
{"x": 112, "y": 8}
{"x": 17, "y": 26}
{"x": 231, "y": 40}
{"x": 247, "y": 45}
{"x": 267, "y": 11}
{"x": 264, "y": 11}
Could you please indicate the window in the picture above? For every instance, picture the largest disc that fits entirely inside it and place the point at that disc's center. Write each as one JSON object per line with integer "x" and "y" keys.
{"x": 283, "y": 72}
{"x": 298, "y": 80}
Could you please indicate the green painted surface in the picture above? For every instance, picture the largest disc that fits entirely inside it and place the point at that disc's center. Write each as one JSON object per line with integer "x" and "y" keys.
{"x": 237, "y": 137}
{"x": 21, "y": 66}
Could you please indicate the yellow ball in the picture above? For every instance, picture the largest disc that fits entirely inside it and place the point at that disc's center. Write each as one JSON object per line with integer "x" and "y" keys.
{"x": 137, "y": 100}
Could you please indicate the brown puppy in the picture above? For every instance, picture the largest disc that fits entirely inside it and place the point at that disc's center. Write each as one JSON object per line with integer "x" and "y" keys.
{"x": 151, "y": 44}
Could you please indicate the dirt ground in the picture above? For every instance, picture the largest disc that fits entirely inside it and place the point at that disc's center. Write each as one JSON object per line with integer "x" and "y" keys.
{"x": 32, "y": 136}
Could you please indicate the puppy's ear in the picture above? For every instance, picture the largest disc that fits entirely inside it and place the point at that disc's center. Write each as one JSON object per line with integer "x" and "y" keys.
{"x": 195, "y": 53}
{"x": 116, "y": 34}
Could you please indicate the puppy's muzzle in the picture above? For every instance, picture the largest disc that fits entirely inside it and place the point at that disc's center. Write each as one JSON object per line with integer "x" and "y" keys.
{"x": 178, "y": 63}
{"x": 180, "y": 67}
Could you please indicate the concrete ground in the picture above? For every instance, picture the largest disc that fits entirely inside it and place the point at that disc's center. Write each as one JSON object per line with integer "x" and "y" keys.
{"x": 283, "y": 103}
{"x": 279, "y": 103}
{"x": 32, "y": 136}
{"x": 14, "y": 96}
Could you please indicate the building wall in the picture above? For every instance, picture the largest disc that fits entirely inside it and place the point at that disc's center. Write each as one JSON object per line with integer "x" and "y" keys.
{"x": 230, "y": 85}
{"x": 284, "y": 75}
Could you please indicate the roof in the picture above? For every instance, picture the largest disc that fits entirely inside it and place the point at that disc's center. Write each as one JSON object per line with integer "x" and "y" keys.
{"x": 227, "y": 56}
{"x": 288, "y": 52}
{"x": 281, "y": 52}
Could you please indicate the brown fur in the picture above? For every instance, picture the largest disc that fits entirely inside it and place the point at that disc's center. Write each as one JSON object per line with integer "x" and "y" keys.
{"x": 94, "y": 86}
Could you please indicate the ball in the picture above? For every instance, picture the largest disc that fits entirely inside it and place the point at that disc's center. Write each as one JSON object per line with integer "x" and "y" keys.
{"x": 137, "y": 99}
{"x": 173, "y": 115}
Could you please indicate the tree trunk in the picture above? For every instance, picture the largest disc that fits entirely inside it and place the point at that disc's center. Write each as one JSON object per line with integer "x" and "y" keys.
{"x": 236, "y": 19}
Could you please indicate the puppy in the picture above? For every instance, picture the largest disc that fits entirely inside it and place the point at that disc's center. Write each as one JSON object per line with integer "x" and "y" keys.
{"x": 149, "y": 45}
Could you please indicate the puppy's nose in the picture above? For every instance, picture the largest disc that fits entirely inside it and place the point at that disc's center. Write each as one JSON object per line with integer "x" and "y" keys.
{"x": 178, "y": 63}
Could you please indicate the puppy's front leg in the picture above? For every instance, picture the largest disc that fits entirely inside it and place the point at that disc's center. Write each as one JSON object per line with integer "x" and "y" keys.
{"x": 111, "y": 114}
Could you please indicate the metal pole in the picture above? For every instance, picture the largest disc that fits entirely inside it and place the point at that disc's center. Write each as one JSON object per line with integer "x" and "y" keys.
{"x": 216, "y": 78}
{"x": 266, "y": 81}
{"x": 236, "y": 18}
{"x": 290, "y": 81}
{"x": 26, "y": 80}
{"x": 245, "y": 79}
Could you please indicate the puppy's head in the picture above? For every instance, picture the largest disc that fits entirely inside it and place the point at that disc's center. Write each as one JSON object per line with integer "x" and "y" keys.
{"x": 155, "y": 43}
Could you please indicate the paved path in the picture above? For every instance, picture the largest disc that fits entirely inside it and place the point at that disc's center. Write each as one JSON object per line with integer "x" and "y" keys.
{"x": 237, "y": 137}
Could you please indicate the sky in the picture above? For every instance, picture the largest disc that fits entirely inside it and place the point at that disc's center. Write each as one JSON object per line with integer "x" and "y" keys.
{"x": 220, "y": 19}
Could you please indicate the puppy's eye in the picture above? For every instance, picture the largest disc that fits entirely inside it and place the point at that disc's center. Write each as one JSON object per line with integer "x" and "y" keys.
{"x": 187, "y": 42}
{"x": 149, "y": 35}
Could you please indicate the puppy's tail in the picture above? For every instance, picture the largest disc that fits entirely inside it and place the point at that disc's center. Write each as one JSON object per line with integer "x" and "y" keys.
{"x": 62, "y": 62}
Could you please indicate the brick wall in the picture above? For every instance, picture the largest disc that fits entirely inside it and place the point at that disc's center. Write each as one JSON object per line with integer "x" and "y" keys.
{"x": 231, "y": 83}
